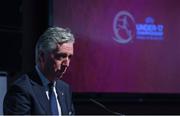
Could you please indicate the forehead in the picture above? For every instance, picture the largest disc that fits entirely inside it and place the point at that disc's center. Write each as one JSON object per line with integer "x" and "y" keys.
{"x": 65, "y": 48}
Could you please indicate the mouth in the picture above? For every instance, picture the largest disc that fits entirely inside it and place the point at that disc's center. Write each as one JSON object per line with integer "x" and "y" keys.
{"x": 61, "y": 71}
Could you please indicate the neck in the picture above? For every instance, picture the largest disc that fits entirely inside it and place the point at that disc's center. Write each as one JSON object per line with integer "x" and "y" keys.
{"x": 47, "y": 74}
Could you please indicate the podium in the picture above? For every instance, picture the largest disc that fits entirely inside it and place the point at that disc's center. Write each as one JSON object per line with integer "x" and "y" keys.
{"x": 3, "y": 88}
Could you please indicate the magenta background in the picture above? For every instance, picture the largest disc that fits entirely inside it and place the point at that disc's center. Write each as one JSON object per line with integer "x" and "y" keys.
{"x": 102, "y": 65}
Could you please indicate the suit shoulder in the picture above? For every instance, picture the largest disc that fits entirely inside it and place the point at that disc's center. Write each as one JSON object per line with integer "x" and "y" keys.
{"x": 20, "y": 88}
{"x": 23, "y": 81}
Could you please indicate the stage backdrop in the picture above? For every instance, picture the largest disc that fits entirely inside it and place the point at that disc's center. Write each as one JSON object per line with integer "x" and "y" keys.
{"x": 130, "y": 46}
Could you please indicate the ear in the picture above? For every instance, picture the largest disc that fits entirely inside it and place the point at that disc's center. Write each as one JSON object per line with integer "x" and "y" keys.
{"x": 41, "y": 57}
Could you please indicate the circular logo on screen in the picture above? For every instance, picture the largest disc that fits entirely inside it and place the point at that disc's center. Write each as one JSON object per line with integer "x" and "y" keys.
{"x": 124, "y": 27}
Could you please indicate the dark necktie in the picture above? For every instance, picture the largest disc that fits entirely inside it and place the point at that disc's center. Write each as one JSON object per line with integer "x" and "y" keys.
{"x": 52, "y": 99}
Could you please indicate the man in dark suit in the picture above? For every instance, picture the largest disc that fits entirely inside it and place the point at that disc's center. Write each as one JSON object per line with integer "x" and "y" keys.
{"x": 41, "y": 92}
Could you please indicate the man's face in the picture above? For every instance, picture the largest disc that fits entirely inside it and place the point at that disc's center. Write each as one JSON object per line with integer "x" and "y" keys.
{"x": 56, "y": 62}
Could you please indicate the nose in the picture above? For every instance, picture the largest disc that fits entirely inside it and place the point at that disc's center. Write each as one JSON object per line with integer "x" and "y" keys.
{"x": 66, "y": 62}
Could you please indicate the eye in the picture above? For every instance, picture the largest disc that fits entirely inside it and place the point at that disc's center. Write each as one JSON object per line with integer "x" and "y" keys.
{"x": 70, "y": 56}
{"x": 62, "y": 56}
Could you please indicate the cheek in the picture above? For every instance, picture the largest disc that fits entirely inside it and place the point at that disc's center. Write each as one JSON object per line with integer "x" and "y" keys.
{"x": 57, "y": 64}
{"x": 50, "y": 63}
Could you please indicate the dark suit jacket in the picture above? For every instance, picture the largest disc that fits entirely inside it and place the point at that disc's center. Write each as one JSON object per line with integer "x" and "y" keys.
{"x": 27, "y": 96}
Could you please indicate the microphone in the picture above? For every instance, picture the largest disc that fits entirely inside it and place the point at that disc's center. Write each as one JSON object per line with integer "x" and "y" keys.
{"x": 105, "y": 108}
{"x": 61, "y": 70}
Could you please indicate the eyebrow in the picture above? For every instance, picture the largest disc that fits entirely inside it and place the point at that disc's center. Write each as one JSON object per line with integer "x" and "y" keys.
{"x": 63, "y": 55}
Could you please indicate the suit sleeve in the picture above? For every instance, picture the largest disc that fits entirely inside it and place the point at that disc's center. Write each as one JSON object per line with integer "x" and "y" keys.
{"x": 16, "y": 102}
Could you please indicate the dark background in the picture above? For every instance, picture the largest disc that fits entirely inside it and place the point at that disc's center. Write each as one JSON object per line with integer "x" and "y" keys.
{"x": 23, "y": 21}
{"x": 145, "y": 64}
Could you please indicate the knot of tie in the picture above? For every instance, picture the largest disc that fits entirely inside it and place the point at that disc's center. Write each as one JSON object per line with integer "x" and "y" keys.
{"x": 51, "y": 86}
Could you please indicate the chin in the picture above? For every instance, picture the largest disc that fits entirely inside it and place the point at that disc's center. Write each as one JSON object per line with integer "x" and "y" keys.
{"x": 60, "y": 76}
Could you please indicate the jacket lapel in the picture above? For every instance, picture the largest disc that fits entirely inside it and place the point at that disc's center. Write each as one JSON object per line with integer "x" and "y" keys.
{"x": 42, "y": 98}
{"x": 61, "y": 99}
{"x": 40, "y": 92}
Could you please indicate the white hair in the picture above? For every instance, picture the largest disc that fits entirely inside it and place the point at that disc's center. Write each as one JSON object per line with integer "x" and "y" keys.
{"x": 50, "y": 38}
